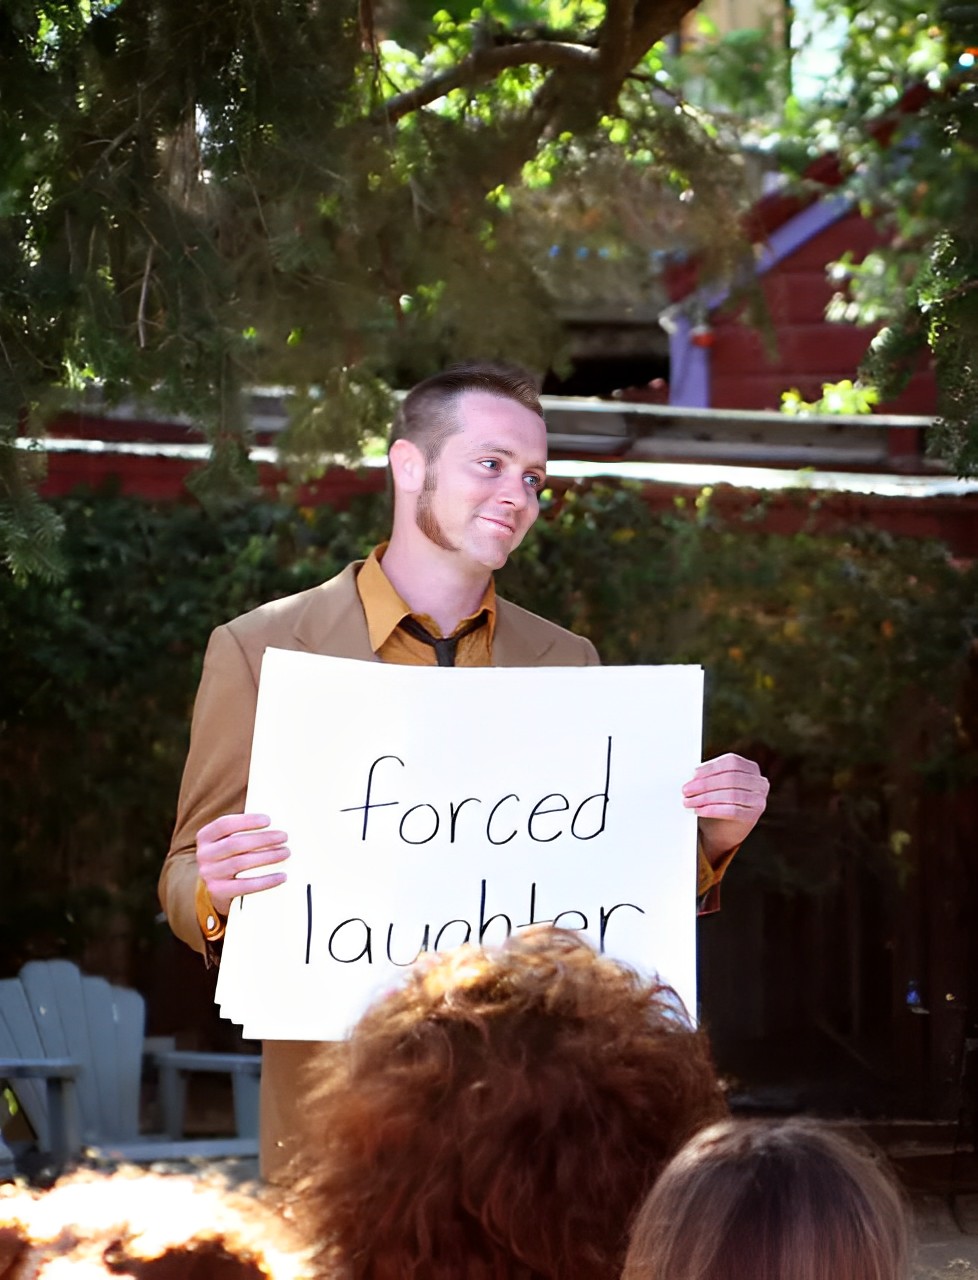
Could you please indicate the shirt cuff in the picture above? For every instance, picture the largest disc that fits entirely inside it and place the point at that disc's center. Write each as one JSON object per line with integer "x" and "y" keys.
{"x": 212, "y": 923}
{"x": 708, "y": 877}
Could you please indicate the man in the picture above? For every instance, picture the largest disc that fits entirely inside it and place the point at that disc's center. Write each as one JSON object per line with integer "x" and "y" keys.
{"x": 467, "y": 461}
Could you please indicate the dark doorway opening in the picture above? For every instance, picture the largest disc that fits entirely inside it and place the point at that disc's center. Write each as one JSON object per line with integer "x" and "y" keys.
{"x": 603, "y": 375}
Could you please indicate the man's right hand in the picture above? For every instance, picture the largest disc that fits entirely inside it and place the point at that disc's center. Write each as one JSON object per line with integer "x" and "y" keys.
{"x": 234, "y": 843}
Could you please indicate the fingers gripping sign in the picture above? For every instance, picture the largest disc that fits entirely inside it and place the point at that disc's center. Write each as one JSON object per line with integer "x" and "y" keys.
{"x": 729, "y": 794}
{"x": 230, "y": 852}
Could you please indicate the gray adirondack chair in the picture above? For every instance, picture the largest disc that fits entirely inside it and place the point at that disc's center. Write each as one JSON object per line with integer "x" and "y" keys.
{"x": 71, "y": 1051}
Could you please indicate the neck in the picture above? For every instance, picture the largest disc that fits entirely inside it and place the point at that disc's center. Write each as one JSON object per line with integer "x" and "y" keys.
{"x": 436, "y": 582}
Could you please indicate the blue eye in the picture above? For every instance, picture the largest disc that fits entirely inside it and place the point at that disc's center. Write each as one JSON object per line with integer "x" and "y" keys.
{"x": 534, "y": 481}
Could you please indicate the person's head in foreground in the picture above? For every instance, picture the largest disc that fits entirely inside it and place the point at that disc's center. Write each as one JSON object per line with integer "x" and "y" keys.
{"x": 143, "y": 1225}
{"x": 749, "y": 1200}
{"x": 502, "y": 1115}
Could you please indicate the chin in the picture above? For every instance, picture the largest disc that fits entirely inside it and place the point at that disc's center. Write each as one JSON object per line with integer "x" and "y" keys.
{"x": 491, "y": 558}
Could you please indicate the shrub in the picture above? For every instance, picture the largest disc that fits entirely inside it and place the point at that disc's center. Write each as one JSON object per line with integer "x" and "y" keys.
{"x": 826, "y": 657}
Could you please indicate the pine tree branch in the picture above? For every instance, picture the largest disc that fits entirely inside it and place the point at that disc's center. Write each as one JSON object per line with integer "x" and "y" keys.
{"x": 483, "y": 64}
{"x": 968, "y": 287}
{"x": 574, "y": 95}
{"x": 141, "y": 314}
{"x": 615, "y": 39}
{"x": 653, "y": 20}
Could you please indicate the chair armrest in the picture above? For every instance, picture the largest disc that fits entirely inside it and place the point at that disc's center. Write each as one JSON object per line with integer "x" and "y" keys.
{"x": 176, "y": 1064}
{"x": 39, "y": 1068}
{"x": 59, "y": 1075}
{"x": 191, "y": 1060}
{"x": 153, "y": 1045}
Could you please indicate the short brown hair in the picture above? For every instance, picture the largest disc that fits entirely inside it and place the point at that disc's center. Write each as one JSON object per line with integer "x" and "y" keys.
{"x": 753, "y": 1200}
{"x": 426, "y": 415}
{"x": 502, "y": 1115}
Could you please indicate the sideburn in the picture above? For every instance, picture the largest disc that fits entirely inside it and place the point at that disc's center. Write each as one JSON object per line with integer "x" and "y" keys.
{"x": 424, "y": 515}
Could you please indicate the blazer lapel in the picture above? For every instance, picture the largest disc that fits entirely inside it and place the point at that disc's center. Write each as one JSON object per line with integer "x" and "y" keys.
{"x": 512, "y": 646}
{"x": 333, "y": 621}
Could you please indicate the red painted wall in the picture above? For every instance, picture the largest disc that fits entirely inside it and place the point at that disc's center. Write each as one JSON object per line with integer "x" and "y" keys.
{"x": 952, "y": 519}
{"x": 163, "y": 479}
{"x": 809, "y": 350}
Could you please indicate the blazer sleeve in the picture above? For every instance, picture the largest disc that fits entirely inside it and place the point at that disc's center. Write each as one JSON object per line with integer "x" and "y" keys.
{"x": 215, "y": 776}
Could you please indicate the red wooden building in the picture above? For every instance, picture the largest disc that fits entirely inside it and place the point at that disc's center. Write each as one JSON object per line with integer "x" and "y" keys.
{"x": 810, "y": 349}
{"x": 716, "y": 361}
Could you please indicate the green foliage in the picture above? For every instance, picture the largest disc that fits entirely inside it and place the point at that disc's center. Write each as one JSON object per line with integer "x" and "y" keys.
{"x": 99, "y": 675}
{"x": 836, "y": 661}
{"x": 891, "y": 88}
{"x": 821, "y": 653}
{"x": 902, "y": 112}
{"x": 350, "y": 407}
{"x": 845, "y": 397}
{"x": 599, "y": 223}
{"x": 195, "y": 199}
{"x": 740, "y": 76}
{"x": 29, "y": 529}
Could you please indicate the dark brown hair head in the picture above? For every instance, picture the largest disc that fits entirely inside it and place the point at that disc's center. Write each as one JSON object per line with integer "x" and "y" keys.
{"x": 427, "y": 414}
{"x": 502, "y": 1115}
{"x": 790, "y": 1200}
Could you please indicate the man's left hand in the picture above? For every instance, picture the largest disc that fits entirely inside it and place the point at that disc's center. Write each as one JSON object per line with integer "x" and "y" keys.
{"x": 729, "y": 795}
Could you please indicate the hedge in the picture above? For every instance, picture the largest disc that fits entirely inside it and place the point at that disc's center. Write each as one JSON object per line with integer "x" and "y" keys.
{"x": 821, "y": 653}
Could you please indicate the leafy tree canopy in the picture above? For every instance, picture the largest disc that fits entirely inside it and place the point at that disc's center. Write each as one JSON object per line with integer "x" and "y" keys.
{"x": 333, "y": 197}
{"x": 904, "y": 116}
{"x": 340, "y": 197}
{"x": 897, "y": 101}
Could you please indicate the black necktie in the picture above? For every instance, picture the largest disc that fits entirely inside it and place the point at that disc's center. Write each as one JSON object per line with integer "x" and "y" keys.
{"x": 444, "y": 649}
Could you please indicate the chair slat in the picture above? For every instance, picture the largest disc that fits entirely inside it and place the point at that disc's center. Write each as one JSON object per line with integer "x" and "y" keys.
{"x": 60, "y": 983}
{"x": 19, "y": 1039}
{"x": 130, "y": 1024}
{"x": 99, "y": 1001}
{"x": 38, "y": 983}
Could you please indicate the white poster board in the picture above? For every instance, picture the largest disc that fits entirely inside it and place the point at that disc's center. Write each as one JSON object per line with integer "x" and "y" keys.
{"x": 426, "y": 807}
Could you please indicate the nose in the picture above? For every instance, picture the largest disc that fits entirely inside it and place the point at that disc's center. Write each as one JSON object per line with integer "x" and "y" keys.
{"x": 513, "y": 491}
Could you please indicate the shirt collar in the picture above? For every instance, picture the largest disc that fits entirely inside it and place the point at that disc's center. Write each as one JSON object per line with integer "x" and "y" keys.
{"x": 384, "y": 608}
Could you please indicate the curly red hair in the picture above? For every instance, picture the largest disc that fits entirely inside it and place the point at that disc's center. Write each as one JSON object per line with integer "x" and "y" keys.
{"x": 502, "y": 1115}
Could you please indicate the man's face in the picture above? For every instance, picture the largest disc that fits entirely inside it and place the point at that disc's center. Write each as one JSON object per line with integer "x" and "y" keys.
{"x": 481, "y": 494}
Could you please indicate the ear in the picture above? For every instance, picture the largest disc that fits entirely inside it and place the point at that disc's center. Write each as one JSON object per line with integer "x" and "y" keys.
{"x": 407, "y": 465}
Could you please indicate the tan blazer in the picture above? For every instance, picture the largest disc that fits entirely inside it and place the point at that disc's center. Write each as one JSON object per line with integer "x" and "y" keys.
{"x": 327, "y": 619}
